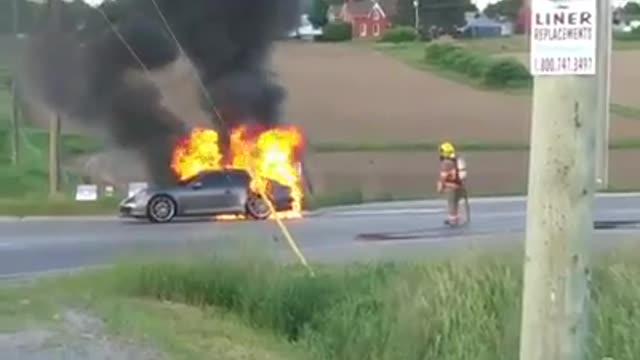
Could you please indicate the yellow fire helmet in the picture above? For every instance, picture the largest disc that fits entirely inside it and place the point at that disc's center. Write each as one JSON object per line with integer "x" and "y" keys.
{"x": 447, "y": 150}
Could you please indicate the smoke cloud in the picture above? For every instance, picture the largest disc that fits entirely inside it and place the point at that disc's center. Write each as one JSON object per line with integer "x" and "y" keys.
{"x": 91, "y": 75}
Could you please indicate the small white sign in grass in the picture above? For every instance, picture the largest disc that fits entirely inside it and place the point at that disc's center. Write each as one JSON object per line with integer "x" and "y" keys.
{"x": 87, "y": 192}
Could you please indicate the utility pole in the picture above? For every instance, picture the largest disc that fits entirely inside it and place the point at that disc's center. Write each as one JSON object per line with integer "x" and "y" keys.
{"x": 15, "y": 123}
{"x": 15, "y": 120}
{"x": 16, "y": 18}
{"x": 55, "y": 22}
{"x": 561, "y": 179}
{"x": 416, "y": 8}
{"x": 605, "y": 21}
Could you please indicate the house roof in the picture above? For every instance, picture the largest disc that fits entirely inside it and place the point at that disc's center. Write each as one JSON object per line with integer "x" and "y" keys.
{"x": 358, "y": 8}
{"x": 483, "y": 22}
{"x": 390, "y": 6}
{"x": 335, "y": 10}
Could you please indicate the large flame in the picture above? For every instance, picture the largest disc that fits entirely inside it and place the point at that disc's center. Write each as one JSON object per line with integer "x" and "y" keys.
{"x": 267, "y": 154}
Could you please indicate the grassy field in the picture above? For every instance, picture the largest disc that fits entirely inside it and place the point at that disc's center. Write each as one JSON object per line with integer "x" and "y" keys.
{"x": 625, "y": 58}
{"x": 624, "y": 99}
{"x": 24, "y": 187}
{"x": 520, "y": 43}
{"x": 464, "y": 308}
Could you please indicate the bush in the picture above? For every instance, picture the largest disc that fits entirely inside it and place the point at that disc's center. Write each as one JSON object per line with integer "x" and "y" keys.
{"x": 461, "y": 309}
{"x": 336, "y": 32}
{"x": 506, "y": 72}
{"x": 490, "y": 71}
{"x": 633, "y": 35}
{"x": 399, "y": 35}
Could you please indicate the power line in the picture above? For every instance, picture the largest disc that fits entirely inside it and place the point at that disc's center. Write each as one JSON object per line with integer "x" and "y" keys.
{"x": 197, "y": 76}
{"x": 124, "y": 41}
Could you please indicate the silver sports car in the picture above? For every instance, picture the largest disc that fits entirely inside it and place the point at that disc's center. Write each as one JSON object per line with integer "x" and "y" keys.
{"x": 221, "y": 192}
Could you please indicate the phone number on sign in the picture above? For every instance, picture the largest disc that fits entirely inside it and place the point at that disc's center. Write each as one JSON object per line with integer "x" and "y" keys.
{"x": 563, "y": 64}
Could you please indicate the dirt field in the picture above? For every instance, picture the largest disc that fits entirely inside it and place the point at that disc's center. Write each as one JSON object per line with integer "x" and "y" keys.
{"x": 348, "y": 93}
{"x": 410, "y": 175}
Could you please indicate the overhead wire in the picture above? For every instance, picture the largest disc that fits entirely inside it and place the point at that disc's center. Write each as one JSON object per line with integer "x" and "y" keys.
{"x": 290, "y": 240}
{"x": 198, "y": 78}
{"x": 124, "y": 41}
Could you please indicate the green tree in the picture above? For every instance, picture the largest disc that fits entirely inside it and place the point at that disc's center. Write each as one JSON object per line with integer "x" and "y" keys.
{"x": 506, "y": 8}
{"x": 445, "y": 14}
{"x": 632, "y": 8}
{"x": 318, "y": 15}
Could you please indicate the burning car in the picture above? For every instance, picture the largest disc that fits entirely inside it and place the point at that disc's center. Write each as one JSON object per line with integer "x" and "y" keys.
{"x": 259, "y": 163}
{"x": 209, "y": 193}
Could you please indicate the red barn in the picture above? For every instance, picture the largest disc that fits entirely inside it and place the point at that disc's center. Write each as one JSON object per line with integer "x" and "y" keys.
{"x": 523, "y": 21}
{"x": 367, "y": 17}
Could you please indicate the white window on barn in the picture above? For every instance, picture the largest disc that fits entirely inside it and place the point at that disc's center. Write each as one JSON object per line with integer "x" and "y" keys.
{"x": 376, "y": 29}
{"x": 363, "y": 30}
{"x": 376, "y": 15}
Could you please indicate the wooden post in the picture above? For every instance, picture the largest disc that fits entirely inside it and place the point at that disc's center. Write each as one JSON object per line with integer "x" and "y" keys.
{"x": 15, "y": 121}
{"x": 605, "y": 19}
{"x": 54, "y": 155}
{"x": 559, "y": 219}
{"x": 562, "y": 182}
{"x": 55, "y": 20}
{"x": 15, "y": 124}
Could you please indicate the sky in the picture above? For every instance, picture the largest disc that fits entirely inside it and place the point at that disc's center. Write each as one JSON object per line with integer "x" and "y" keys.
{"x": 93, "y": 2}
{"x": 481, "y": 4}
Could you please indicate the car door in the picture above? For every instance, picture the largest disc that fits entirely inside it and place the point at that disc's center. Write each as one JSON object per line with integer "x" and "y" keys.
{"x": 215, "y": 194}
{"x": 191, "y": 196}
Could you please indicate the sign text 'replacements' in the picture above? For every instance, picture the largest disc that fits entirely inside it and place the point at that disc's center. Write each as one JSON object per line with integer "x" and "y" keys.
{"x": 563, "y": 37}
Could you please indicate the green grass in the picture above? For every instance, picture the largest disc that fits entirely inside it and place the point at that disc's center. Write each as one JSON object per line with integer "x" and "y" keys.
{"x": 412, "y": 54}
{"x": 463, "y": 308}
{"x": 413, "y": 147}
{"x": 181, "y": 331}
{"x": 24, "y": 187}
{"x": 64, "y": 206}
{"x": 520, "y": 43}
{"x": 466, "y": 146}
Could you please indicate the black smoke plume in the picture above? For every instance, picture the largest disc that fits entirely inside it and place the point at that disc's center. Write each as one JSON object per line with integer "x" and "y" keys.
{"x": 90, "y": 74}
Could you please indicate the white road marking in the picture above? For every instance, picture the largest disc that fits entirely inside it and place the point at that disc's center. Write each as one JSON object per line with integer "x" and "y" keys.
{"x": 54, "y": 272}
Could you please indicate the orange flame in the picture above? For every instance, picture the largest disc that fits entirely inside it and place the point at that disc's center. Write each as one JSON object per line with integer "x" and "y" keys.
{"x": 196, "y": 153}
{"x": 270, "y": 154}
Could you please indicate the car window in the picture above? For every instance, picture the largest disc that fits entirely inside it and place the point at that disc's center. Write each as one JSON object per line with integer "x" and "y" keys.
{"x": 214, "y": 180}
{"x": 239, "y": 178}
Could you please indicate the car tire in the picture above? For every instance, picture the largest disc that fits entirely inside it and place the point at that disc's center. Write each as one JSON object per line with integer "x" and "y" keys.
{"x": 161, "y": 209}
{"x": 257, "y": 208}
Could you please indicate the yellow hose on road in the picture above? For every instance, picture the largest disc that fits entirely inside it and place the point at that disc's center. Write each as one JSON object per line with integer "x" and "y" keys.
{"x": 287, "y": 234}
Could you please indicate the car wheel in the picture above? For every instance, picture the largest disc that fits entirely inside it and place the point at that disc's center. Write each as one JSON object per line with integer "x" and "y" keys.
{"x": 161, "y": 209}
{"x": 257, "y": 208}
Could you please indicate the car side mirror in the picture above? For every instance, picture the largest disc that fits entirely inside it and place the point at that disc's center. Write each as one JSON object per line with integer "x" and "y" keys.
{"x": 196, "y": 185}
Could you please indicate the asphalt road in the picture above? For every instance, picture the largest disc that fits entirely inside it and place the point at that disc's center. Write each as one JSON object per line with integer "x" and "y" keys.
{"x": 29, "y": 246}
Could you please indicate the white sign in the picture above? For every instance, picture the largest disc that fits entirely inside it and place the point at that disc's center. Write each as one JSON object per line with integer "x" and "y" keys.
{"x": 135, "y": 187}
{"x": 87, "y": 193}
{"x": 563, "y": 37}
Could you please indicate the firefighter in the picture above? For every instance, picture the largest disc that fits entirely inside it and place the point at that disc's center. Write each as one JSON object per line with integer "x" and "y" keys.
{"x": 451, "y": 181}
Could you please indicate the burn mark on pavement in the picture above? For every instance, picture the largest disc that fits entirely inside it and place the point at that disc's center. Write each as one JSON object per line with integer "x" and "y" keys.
{"x": 616, "y": 224}
{"x": 428, "y": 233}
